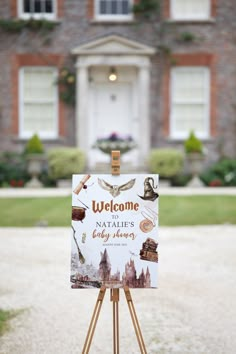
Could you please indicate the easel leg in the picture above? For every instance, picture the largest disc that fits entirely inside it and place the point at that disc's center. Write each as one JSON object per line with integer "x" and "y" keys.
{"x": 94, "y": 319}
{"x": 115, "y": 300}
{"x": 135, "y": 320}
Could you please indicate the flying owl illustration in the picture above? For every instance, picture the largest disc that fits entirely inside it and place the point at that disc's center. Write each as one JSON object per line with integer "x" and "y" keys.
{"x": 115, "y": 190}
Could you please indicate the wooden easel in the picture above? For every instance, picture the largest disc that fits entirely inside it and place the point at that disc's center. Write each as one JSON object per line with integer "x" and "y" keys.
{"x": 114, "y": 297}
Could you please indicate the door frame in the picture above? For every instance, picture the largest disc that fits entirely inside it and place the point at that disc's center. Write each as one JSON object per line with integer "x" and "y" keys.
{"x": 110, "y": 52}
{"x": 99, "y": 76}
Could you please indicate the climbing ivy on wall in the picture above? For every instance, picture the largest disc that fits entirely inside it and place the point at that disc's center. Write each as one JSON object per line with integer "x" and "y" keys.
{"x": 145, "y": 8}
{"x": 18, "y": 25}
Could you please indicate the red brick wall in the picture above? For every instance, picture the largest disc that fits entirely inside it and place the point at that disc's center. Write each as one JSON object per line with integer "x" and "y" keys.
{"x": 21, "y": 60}
{"x": 197, "y": 59}
{"x": 90, "y": 9}
{"x": 14, "y": 6}
{"x": 60, "y": 8}
{"x": 167, "y": 5}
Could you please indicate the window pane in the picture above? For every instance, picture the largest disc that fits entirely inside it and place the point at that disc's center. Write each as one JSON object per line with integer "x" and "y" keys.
{"x": 114, "y": 9}
{"x": 39, "y": 84}
{"x": 189, "y": 85}
{"x": 190, "y": 95}
{"x": 48, "y": 6}
{"x": 125, "y": 7}
{"x": 38, "y": 6}
{"x": 39, "y": 118}
{"x": 103, "y": 7}
{"x": 39, "y": 104}
{"x": 27, "y": 6}
{"x": 188, "y": 117}
{"x": 190, "y": 8}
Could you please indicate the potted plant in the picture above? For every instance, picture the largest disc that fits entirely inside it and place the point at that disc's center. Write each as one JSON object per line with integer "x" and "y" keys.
{"x": 35, "y": 157}
{"x": 195, "y": 157}
{"x": 115, "y": 142}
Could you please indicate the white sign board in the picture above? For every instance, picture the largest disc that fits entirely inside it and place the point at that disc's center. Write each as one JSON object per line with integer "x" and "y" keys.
{"x": 114, "y": 233}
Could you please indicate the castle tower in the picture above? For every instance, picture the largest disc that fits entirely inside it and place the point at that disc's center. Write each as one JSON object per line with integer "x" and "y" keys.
{"x": 104, "y": 266}
{"x": 142, "y": 280}
{"x": 130, "y": 274}
{"x": 148, "y": 279}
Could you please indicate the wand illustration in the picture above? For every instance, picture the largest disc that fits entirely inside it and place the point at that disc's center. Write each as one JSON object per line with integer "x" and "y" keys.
{"x": 81, "y": 257}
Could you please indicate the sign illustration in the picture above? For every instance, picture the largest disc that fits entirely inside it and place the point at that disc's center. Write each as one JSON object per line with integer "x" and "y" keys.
{"x": 114, "y": 233}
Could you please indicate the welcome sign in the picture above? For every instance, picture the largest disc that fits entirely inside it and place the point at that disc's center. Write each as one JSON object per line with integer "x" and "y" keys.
{"x": 114, "y": 233}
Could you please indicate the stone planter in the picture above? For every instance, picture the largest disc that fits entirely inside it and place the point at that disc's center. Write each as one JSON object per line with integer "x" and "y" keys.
{"x": 195, "y": 166}
{"x": 122, "y": 146}
{"x": 34, "y": 167}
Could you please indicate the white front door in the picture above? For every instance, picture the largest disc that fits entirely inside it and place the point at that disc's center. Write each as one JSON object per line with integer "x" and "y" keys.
{"x": 111, "y": 111}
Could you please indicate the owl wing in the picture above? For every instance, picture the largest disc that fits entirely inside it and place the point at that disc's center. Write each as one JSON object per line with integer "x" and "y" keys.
{"x": 128, "y": 185}
{"x": 103, "y": 184}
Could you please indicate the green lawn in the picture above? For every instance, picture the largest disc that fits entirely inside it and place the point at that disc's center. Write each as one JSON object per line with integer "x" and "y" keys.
{"x": 174, "y": 210}
{"x": 197, "y": 210}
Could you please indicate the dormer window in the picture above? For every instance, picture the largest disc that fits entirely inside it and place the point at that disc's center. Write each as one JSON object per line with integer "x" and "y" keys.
{"x": 37, "y": 9}
{"x": 107, "y": 10}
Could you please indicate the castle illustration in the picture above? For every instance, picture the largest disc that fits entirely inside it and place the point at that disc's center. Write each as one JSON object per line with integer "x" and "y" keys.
{"x": 87, "y": 276}
{"x": 129, "y": 276}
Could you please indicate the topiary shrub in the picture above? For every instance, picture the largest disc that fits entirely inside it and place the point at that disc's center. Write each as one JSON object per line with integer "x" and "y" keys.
{"x": 166, "y": 162}
{"x": 63, "y": 162}
{"x": 193, "y": 144}
{"x": 34, "y": 146}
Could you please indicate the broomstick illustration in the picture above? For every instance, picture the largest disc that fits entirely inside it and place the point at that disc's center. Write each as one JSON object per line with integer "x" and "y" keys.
{"x": 81, "y": 257}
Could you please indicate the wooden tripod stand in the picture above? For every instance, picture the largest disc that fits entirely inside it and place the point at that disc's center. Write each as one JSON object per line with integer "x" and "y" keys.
{"x": 115, "y": 295}
{"x": 115, "y": 300}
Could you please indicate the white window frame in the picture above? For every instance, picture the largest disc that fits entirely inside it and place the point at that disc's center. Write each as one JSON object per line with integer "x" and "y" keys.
{"x": 26, "y": 133}
{"x": 193, "y": 17}
{"x": 47, "y": 16}
{"x": 112, "y": 17}
{"x": 184, "y": 134}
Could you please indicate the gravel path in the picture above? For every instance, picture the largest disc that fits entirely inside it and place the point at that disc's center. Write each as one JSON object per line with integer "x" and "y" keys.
{"x": 193, "y": 311}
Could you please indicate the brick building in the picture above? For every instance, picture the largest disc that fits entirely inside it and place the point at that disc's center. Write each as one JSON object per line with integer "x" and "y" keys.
{"x": 175, "y": 72}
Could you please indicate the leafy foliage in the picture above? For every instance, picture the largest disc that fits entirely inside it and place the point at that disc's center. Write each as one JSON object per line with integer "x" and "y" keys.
{"x": 13, "y": 169}
{"x": 186, "y": 37}
{"x": 67, "y": 86}
{"x": 18, "y": 25}
{"x": 180, "y": 180}
{"x": 193, "y": 144}
{"x": 146, "y": 8}
{"x": 222, "y": 173}
{"x": 115, "y": 142}
{"x": 34, "y": 146}
{"x": 63, "y": 162}
{"x": 166, "y": 162}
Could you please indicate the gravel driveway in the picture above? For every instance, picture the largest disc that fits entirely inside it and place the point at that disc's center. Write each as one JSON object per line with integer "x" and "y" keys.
{"x": 193, "y": 311}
